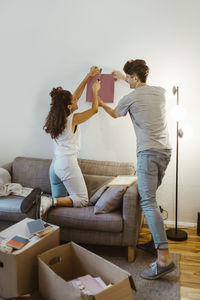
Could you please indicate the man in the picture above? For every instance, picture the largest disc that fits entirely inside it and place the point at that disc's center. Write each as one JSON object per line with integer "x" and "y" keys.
{"x": 146, "y": 107}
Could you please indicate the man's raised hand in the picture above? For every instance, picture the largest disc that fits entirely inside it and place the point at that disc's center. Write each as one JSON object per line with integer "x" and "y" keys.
{"x": 118, "y": 75}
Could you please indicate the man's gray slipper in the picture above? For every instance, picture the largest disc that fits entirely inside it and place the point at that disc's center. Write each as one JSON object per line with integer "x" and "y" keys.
{"x": 156, "y": 271}
{"x": 29, "y": 201}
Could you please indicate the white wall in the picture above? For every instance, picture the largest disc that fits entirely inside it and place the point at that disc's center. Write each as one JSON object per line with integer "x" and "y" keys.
{"x": 49, "y": 43}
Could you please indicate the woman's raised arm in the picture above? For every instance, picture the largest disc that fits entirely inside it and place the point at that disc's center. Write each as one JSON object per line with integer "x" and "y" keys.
{"x": 85, "y": 115}
{"x": 78, "y": 92}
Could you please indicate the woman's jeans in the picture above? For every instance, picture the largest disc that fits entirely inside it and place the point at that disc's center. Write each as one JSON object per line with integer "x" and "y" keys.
{"x": 151, "y": 166}
{"x": 66, "y": 178}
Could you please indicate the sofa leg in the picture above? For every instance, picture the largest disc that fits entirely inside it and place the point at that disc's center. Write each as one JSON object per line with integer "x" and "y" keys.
{"x": 131, "y": 254}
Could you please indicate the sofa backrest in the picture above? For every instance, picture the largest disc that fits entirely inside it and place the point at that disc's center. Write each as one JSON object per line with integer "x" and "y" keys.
{"x": 106, "y": 168}
{"x": 96, "y": 173}
{"x": 34, "y": 172}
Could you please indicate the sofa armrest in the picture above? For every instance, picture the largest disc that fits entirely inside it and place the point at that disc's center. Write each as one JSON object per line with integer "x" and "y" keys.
{"x": 8, "y": 167}
{"x": 131, "y": 213}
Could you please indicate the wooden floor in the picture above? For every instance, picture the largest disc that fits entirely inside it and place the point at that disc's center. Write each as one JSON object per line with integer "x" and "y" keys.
{"x": 189, "y": 263}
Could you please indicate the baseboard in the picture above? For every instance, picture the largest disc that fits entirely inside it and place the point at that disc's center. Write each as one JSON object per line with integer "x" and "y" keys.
{"x": 180, "y": 224}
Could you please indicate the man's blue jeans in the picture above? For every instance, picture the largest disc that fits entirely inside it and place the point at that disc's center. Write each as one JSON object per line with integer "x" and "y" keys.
{"x": 151, "y": 166}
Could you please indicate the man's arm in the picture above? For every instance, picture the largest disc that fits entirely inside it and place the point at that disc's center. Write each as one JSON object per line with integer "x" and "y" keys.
{"x": 112, "y": 112}
{"x": 78, "y": 92}
{"x": 118, "y": 76}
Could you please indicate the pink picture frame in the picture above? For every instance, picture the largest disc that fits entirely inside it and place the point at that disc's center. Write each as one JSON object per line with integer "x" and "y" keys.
{"x": 106, "y": 92}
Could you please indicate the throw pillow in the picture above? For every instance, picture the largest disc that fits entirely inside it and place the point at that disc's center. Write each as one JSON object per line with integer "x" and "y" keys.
{"x": 110, "y": 200}
{"x": 4, "y": 177}
{"x": 98, "y": 194}
{"x": 95, "y": 182}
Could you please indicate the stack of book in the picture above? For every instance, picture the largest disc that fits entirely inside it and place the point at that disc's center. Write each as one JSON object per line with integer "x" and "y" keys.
{"x": 17, "y": 242}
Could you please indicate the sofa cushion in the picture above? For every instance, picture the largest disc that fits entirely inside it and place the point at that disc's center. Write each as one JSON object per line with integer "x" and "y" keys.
{"x": 10, "y": 208}
{"x": 94, "y": 182}
{"x": 98, "y": 194}
{"x": 32, "y": 173}
{"x": 110, "y": 200}
{"x": 85, "y": 219}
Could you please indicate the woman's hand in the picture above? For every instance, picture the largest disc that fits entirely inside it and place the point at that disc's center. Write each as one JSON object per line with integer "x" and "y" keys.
{"x": 96, "y": 86}
{"x": 100, "y": 102}
{"x": 93, "y": 71}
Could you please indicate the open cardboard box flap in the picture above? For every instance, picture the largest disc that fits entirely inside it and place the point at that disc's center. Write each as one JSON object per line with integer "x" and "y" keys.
{"x": 69, "y": 261}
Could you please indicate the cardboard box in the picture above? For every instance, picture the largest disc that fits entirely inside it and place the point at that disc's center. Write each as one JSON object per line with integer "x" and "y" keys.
{"x": 69, "y": 261}
{"x": 18, "y": 270}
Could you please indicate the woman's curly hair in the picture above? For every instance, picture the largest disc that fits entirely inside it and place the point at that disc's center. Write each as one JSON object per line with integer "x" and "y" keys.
{"x": 138, "y": 67}
{"x": 57, "y": 118}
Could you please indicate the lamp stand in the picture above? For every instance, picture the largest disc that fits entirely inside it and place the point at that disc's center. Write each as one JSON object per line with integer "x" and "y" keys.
{"x": 176, "y": 234}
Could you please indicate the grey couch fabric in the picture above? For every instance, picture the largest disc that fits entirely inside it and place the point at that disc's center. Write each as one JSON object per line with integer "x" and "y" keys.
{"x": 120, "y": 227}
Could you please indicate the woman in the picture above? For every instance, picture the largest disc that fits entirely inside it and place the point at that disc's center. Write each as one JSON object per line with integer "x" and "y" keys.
{"x": 67, "y": 183}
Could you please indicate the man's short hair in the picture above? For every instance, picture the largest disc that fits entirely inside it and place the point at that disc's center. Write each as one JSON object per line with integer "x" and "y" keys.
{"x": 137, "y": 67}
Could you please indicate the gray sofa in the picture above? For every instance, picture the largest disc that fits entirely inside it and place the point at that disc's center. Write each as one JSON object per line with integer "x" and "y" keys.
{"x": 81, "y": 225}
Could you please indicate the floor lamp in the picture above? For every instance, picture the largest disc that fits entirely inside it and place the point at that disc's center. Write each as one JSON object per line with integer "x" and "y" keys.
{"x": 176, "y": 234}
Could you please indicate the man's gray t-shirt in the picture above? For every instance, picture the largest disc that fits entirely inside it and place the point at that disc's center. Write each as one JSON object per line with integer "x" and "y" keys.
{"x": 146, "y": 106}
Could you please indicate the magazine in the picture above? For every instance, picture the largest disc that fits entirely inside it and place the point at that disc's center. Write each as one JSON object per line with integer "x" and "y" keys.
{"x": 123, "y": 180}
{"x": 89, "y": 285}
